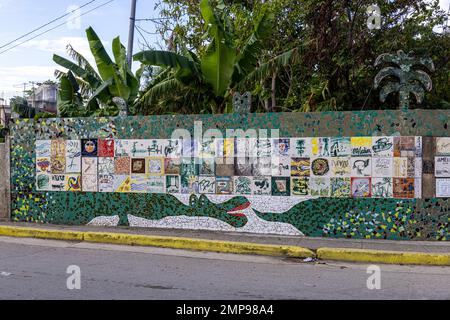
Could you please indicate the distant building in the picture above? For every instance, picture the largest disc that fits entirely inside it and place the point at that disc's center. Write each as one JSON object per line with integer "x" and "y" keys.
{"x": 44, "y": 98}
{"x": 5, "y": 114}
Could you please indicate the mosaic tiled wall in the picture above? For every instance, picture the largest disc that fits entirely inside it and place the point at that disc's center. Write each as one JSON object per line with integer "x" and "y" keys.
{"x": 363, "y": 180}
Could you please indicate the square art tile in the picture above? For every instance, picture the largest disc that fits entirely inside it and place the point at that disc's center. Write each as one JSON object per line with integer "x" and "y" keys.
{"x": 189, "y": 184}
{"x": 320, "y": 147}
{"x": 89, "y": 183}
{"x": 340, "y": 187}
{"x": 207, "y": 167}
{"x": 361, "y": 146}
{"x": 106, "y": 166}
{"x": 262, "y": 186}
{"x": 172, "y": 184}
{"x": 89, "y": 147}
{"x": 404, "y": 146}
{"x": 340, "y": 147}
{"x": 281, "y": 147}
{"x": 382, "y": 167}
{"x": 225, "y": 170}
{"x": 58, "y": 183}
{"x": 72, "y": 182}
{"x": 400, "y": 167}
{"x": 341, "y": 167}
{"x": 383, "y": 147}
{"x": 224, "y": 185}
{"x": 138, "y": 165}
{"x": 281, "y": 166}
{"x": 361, "y": 187}
{"x": 73, "y": 156}
{"x": 89, "y": 166}
{"x": 190, "y": 148}
{"x": 300, "y": 186}
{"x": 320, "y": 167}
{"x": 262, "y": 167}
{"x": 172, "y": 166}
{"x": 106, "y": 148}
{"x": 443, "y": 188}
{"x": 361, "y": 167}
{"x": 208, "y": 148}
{"x": 189, "y": 167}
{"x": 43, "y": 182}
{"x": 300, "y": 167}
{"x": 382, "y": 188}
{"x": 243, "y": 185}
{"x": 43, "y": 148}
{"x": 122, "y": 148}
{"x": 139, "y": 183}
{"x": 155, "y": 166}
{"x": 243, "y": 167}
{"x": 122, "y": 183}
{"x": 404, "y": 188}
{"x": 281, "y": 186}
{"x": 319, "y": 187}
{"x": 156, "y": 185}
{"x": 442, "y": 167}
{"x": 301, "y": 147}
{"x": 43, "y": 165}
{"x": 262, "y": 147}
{"x": 206, "y": 185}
{"x": 106, "y": 183}
{"x": 443, "y": 146}
{"x": 122, "y": 165}
{"x": 172, "y": 148}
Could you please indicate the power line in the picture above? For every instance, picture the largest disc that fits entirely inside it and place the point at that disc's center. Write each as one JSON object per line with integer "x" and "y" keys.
{"x": 48, "y": 23}
{"x": 58, "y": 26}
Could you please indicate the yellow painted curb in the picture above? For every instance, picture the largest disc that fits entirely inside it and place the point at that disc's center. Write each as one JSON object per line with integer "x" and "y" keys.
{"x": 160, "y": 241}
{"x": 384, "y": 257}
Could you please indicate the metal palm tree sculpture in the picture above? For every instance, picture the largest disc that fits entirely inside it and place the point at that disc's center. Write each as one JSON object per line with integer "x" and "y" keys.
{"x": 411, "y": 80}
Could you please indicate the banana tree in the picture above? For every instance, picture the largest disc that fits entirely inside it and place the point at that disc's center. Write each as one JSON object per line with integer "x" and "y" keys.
{"x": 90, "y": 91}
{"x": 410, "y": 80}
{"x": 218, "y": 72}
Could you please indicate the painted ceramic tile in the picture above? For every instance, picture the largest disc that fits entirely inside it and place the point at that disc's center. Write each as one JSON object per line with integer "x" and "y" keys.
{"x": 156, "y": 185}
{"x": 208, "y": 148}
{"x": 301, "y": 147}
{"x": 122, "y": 148}
{"x": 155, "y": 148}
{"x": 58, "y": 149}
{"x": 340, "y": 147}
{"x": 340, "y": 187}
{"x": 106, "y": 148}
{"x": 262, "y": 147}
{"x": 106, "y": 166}
{"x": 189, "y": 184}
{"x": 281, "y": 186}
{"x": 262, "y": 167}
{"x": 225, "y": 170}
{"x": 140, "y": 148}
{"x": 89, "y": 147}
{"x": 206, "y": 185}
{"x": 190, "y": 148}
{"x": 411, "y": 167}
{"x": 383, "y": 147}
{"x": 207, "y": 167}
{"x": 382, "y": 188}
{"x": 89, "y": 183}
{"x": 43, "y": 165}
{"x": 443, "y": 146}
{"x": 73, "y": 156}
{"x": 320, "y": 187}
{"x": 418, "y": 167}
{"x": 320, "y": 147}
{"x": 262, "y": 186}
{"x": 43, "y": 182}
{"x": 189, "y": 168}
{"x": 89, "y": 166}
{"x": 320, "y": 167}
{"x": 172, "y": 184}
{"x": 243, "y": 185}
{"x": 281, "y": 166}
{"x": 58, "y": 182}
{"x": 58, "y": 165}
{"x": 138, "y": 165}
{"x": 43, "y": 148}
{"x": 341, "y": 167}
{"x": 442, "y": 167}
{"x": 361, "y": 167}
{"x": 106, "y": 183}
{"x": 155, "y": 166}
{"x": 122, "y": 183}
{"x": 122, "y": 165}
{"x": 172, "y": 148}
{"x": 404, "y": 188}
{"x": 281, "y": 147}
{"x": 418, "y": 188}
{"x": 300, "y": 186}
{"x": 225, "y": 148}
{"x": 243, "y": 147}
{"x": 172, "y": 166}
{"x": 400, "y": 167}
{"x": 73, "y": 182}
{"x": 224, "y": 185}
{"x": 139, "y": 183}
{"x": 361, "y": 146}
{"x": 382, "y": 167}
{"x": 361, "y": 187}
{"x": 404, "y": 146}
{"x": 300, "y": 167}
{"x": 419, "y": 147}
{"x": 243, "y": 167}
{"x": 443, "y": 188}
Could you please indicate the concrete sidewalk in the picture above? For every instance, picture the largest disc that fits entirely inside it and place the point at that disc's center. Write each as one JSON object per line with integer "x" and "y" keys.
{"x": 377, "y": 251}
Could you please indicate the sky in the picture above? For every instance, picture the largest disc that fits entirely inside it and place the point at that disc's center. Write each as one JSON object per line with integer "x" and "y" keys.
{"x": 32, "y": 61}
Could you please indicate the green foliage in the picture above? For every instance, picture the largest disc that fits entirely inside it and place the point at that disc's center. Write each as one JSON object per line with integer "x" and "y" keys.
{"x": 84, "y": 91}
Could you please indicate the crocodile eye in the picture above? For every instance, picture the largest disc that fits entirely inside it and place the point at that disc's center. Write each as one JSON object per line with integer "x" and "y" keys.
{"x": 193, "y": 200}
{"x": 202, "y": 201}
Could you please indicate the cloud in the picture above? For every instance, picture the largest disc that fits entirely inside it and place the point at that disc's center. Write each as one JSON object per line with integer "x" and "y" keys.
{"x": 59, "y": 45}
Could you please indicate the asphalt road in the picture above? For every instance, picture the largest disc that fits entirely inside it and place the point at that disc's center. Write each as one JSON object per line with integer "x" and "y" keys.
{"x": 36, "y": 269}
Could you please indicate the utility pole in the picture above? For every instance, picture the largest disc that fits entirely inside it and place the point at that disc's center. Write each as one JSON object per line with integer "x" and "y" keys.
{"x": 131, "y": 33}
